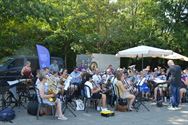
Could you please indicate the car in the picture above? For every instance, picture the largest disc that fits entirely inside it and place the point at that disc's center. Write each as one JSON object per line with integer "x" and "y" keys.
{"x": 10, "y": 67}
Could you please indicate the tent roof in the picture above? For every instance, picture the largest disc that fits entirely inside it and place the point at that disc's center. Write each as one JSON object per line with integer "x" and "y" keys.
{"x": 143, "y": 51}
{"x": 176, "y": 56}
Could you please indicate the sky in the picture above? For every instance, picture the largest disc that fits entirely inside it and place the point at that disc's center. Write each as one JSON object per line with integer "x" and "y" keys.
{"x": 112, "y": 1}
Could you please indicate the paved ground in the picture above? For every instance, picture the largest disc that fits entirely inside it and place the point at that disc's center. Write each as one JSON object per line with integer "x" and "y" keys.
{"x": 156, "y": 116}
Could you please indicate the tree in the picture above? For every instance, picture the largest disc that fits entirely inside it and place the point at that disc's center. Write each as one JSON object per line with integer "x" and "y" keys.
{"x": 70, "y": 27}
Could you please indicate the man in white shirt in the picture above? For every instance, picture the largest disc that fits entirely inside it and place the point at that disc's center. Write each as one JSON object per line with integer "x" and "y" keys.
{"x": 95, "y": 92}
{"x": 97, "y": 79}
{"x": 107, "y": 76}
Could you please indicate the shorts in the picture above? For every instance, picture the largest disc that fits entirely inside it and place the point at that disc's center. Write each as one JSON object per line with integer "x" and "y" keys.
{"x": 144, "y": 88}
{"x": 45, "y": 101}
{"x": 96, "y": 96}
{"x": 126, "y": 95}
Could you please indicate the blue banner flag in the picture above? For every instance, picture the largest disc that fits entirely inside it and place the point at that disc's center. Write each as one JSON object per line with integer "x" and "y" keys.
{"x": 43, "y": 56}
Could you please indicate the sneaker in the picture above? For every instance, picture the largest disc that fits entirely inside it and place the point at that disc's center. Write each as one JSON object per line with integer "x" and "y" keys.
{"x": 105, "y": 109}
{"x": 172, "y": 108}
{"x": 130, "y": 109}
{"x": 62, "y": 118}
{"x": 178, "y": 108}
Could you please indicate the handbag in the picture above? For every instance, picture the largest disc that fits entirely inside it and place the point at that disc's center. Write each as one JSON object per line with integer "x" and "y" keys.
{"x": 79, "y": 105}
{"x": 121, "y": 108}
{"x": 122, "y": 101}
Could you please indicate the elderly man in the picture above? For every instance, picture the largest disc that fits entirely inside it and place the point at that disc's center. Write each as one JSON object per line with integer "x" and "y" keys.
{"x": 76, "y": 76}
{"x": 97, "y": 79}
{"x": 174, "y": 78}
{"x": 54, "y": 67}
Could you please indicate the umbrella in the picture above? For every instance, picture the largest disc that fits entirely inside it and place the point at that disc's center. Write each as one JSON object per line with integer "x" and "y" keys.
{"x": 176, "y": 56}
{"x": 143, "y": 51}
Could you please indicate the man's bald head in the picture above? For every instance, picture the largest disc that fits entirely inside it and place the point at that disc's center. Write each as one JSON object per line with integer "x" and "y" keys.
{"x": 170, "y": 62}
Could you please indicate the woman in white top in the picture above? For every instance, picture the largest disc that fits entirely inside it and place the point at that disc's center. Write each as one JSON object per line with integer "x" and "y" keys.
{"x": 45, "y": 97}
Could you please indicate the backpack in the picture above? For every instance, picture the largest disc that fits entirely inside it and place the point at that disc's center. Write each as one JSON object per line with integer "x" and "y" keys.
{"x": 33, "y": 97}
{"x": 32, "y": 108}
{"x": 7, "y": 114}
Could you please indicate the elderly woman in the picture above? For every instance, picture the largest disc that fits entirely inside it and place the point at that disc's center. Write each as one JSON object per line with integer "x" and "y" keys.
{"x": 26, "y": 70}
{"x": 43, "y": 92}
{"x": 124, "y": 93}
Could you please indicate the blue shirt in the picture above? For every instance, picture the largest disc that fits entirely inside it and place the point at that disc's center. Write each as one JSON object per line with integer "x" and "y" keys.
{"x": 54, "y": 68}
{"x": 76, "y": 77}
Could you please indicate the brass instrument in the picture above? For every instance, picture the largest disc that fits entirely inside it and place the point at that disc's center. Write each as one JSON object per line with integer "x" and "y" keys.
{"x": 93, "y": 66}
{"x": 130, "y": 87}
{"x": 52, "y": 87}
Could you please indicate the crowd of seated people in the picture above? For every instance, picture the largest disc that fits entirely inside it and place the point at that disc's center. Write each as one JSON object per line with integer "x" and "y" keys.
{"x": 130, "y": 82}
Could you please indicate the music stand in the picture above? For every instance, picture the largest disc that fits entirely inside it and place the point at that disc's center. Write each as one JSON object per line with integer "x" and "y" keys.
{"x": 67, "y": 101}
{"x": 158, "y": 83}
{"x": 17, "y": 90}
{"x": 139, "y": 101}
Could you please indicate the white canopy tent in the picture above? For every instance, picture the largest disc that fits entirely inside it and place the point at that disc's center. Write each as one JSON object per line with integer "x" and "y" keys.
{"x": 176, "y": 56}
{"x": 143, "y": 51}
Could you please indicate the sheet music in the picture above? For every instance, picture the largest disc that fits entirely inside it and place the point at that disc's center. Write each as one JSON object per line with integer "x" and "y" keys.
{"x": 16, "y": 81}
{"x": 141, "y": 82}
{"x": 23, "y": 80}
{"x": 67, "y": 82}
{"x": 157, "y": 80}
{"x": 13, "y": 82}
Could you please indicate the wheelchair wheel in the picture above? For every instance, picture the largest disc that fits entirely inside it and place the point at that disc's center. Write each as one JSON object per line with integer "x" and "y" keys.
{"x": 10, "y": 100}
{"x": 32, "y": 94}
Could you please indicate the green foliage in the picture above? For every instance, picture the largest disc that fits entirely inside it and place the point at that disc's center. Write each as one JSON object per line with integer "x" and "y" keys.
{"x": 68, "y": 27}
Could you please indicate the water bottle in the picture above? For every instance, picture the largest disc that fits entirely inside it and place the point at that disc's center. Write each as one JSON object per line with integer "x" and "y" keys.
{"x": 46, "y": 87}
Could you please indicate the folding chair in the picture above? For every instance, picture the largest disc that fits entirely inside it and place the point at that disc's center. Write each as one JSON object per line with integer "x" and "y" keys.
{"x": 139, "y": 101}
{"x": 113, "y": 96}
{"x": 88, "y": 97}
{"x": 41, "y": 104}
{"x": 118, "y": 97}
